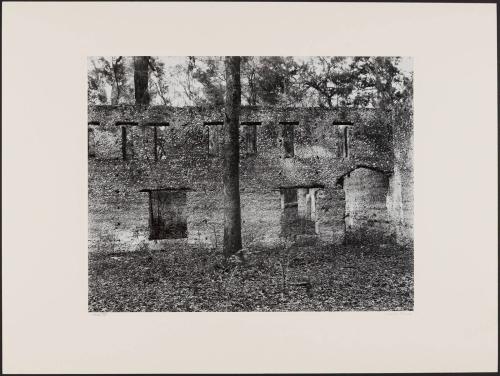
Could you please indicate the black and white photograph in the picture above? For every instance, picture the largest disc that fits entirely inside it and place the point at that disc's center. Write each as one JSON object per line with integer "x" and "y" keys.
{"x": 250, "y": 183}
{"x": 280, "y": 188}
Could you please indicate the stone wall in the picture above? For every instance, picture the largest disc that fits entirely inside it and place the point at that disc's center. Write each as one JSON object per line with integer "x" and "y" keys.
{"x": 400, "y": 201}
{"x": 133, "y": 149}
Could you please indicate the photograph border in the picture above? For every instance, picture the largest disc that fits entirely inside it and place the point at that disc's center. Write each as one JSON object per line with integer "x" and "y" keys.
{"x": 46, "y": 326}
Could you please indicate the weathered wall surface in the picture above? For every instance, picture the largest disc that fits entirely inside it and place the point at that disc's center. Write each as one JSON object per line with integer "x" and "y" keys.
{"x": 136, "y": 148}
{"x": 367, "y": 217}
{"x": 400, "y": 198}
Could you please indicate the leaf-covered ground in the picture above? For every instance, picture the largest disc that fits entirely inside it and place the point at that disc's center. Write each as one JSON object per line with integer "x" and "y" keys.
{"x": 334, "y": 278}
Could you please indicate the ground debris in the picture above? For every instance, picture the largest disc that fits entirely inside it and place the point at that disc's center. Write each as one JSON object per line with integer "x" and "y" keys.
{"x": 324, "y": 278}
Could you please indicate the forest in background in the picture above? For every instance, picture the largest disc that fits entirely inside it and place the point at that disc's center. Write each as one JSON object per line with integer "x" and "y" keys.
{"x": 283, "y": 81}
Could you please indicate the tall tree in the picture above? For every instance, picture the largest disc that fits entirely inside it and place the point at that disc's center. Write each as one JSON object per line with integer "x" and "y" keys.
{"x": 231, "y": 169}
{"x": 141, "y": 79}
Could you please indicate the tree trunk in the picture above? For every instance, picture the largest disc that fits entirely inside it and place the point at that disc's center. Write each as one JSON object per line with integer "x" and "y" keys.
{"x": 141, "y": 76}
{"x": 231, "y": 169}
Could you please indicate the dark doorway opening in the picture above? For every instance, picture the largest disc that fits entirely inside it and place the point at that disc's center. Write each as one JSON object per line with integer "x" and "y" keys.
{"x": 167, "y": 214}
{"x": 299, "y": 215}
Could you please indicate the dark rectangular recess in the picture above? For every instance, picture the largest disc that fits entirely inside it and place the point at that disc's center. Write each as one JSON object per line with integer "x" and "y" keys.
{"x": 127, "y": 123}
{"x": 91, "y": 143}
{"x": 292, "y": 222}
{"x": 251, "y": 123}
{"x": 314, "y": 185}
{"x": 157, "y": 124}
{"x": 288, "y": 138}
{"x": 250, "y": 138}
{"x": 173, "y": 189}
{"x": 346, "y": 142}
{"x": 123, "y": 125}
{"x": 290, "y": 197}
{"x": 159, "y": 145}
{"x": 156, "y": 145}
{"x": 167, "y": 216}
{"x": 124, "y": 143}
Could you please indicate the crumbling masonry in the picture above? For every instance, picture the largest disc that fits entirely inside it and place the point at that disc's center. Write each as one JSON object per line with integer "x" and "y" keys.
{"x": 320, "y": 175}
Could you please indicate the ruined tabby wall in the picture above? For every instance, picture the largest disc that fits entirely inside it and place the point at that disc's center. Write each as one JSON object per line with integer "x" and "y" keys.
{"x": 119, "y": 208}
{"x": 401, "y": 184}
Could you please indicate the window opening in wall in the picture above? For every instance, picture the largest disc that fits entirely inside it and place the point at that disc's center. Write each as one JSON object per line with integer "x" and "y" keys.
{"x": 299, "y": 215}
{"x": 343, "y": 138}
{"x": 91, "y": 143}
{"x": 167, "y": 214}
{"x": 124, "y": 143}
{"x": 214, "y": 137}
{"x": 250, "y": 140}
{"x": 346, "y": 142}
{"x": 159, "y": 140}
{"x": 288, "y": 138}
{"x": 127, "y": 149}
